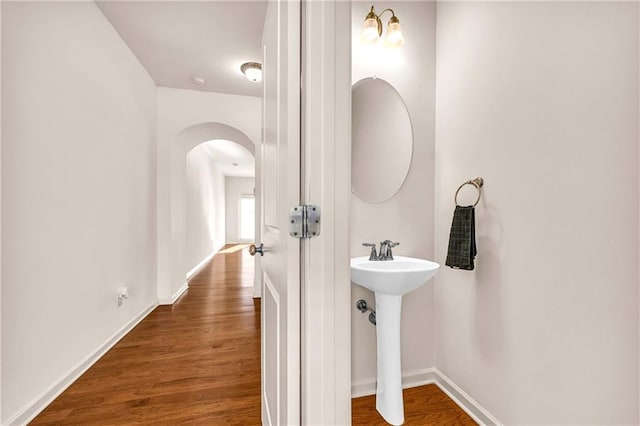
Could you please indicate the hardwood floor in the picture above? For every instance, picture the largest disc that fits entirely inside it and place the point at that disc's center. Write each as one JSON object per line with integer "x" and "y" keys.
{"x": 196, "y": 362}
{"x": 423, "y": 405}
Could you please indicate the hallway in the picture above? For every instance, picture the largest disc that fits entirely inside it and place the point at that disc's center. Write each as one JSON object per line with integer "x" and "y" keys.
{"x": 197, "y": 361}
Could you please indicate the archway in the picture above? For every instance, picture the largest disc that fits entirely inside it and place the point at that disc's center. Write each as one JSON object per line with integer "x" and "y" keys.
{"x": 194, "y": 135}
{"x": 184, "y": 141}
{"x": 220, "y": 209}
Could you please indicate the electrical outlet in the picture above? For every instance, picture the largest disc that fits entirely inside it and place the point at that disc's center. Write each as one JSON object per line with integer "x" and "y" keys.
{"x": 122, "y": 295}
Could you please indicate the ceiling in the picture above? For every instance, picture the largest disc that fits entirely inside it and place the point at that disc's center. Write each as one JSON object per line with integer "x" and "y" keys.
{"x": 179, "y": 40}
{"x": 224, "y": 154}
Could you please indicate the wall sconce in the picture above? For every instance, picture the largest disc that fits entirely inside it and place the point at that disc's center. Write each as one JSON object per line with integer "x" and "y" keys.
{"x": 372, "y": 29}
{"x": 252, "y": 70}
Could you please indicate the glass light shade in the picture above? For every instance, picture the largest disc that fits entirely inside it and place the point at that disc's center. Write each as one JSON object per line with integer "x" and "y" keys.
{"x": 394, "y": 36}
{"x": 370, "y": 33}
{"x": 252, "y": 70}
{"x": 253, "y": 74}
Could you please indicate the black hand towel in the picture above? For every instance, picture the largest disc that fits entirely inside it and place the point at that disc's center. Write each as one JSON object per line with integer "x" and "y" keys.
{"x": 462, "y": 239}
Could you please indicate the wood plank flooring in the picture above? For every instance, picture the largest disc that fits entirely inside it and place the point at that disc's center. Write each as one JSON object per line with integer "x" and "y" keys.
{"x": 423, "y": 405}
{"x": 198, "y": 362}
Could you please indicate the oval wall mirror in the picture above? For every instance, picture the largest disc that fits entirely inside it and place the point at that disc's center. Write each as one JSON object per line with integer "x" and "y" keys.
{"x": 381, "y": 140}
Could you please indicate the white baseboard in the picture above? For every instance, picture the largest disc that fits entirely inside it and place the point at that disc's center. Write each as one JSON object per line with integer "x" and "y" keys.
{"x": 427, "y": 376}
{"x": 171, "y": 300}
{"x": 31, "y": 410}
{"x": 464, "y": 401}
{"x": 200, "y": 265}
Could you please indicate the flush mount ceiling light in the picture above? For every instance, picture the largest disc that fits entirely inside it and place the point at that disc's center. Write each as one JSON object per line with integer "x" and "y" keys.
{"x": 252, "y": 70}
{"x": 372, "y": 29}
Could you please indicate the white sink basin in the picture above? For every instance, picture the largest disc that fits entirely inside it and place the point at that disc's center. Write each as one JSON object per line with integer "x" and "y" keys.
{"x": 394, "y": 277}
{"x": 390, "y": 280}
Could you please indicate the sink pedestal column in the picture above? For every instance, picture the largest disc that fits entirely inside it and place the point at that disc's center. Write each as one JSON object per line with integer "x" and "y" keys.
{"x": 389, "y": 392}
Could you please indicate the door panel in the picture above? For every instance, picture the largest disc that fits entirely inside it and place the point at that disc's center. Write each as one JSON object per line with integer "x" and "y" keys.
{"x": 271, "y": 304}
{"x": 281, "y": 189}
{"x": 269, "y": 138}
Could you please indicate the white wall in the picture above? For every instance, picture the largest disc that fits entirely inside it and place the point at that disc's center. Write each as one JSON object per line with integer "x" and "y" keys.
{"x": 0, "y": 223}
{"x": 205, "y": 212}
{"x": 78, "y": 195}
{"x": 408, "y": 216}
{"x": 235, "y": 188}
{"x": 541, "y": 99}
{"x": 185, "y": 119}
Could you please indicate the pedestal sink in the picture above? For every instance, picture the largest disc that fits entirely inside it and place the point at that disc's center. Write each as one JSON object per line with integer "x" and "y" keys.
{"x": 390, "y": 280}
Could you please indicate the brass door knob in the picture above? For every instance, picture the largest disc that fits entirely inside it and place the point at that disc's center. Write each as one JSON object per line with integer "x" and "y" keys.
{"x": 253, "y": 250}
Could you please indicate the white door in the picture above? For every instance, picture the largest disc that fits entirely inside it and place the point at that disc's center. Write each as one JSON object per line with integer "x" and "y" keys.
{"x": 280, "y": 191}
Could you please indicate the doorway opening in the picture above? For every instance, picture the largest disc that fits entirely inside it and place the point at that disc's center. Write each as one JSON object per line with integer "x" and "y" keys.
{"x": 219, "y": 211}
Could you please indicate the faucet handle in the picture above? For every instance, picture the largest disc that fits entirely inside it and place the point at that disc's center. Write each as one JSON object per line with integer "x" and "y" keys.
{"x": 373, "y": 255}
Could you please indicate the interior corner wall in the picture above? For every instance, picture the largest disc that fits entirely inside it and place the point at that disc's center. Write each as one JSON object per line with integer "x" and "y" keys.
{"x": 78, "y": 192}
{"x": 236, "y": 187}
{"x": 408, "y": 216}
{"x": 178, "y": 110}
{"x": 541, "y": 99}
{"x": 205, "y": 212}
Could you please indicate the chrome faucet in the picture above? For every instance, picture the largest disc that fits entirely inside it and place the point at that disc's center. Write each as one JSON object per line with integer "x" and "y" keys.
{"x": 385, "y": 250}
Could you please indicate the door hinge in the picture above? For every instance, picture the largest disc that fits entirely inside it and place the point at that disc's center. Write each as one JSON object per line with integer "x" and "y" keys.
{"x": 304, "y": 221}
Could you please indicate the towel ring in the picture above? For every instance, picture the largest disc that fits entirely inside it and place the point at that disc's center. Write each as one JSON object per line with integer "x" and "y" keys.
{"x": 477, "y": 182}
